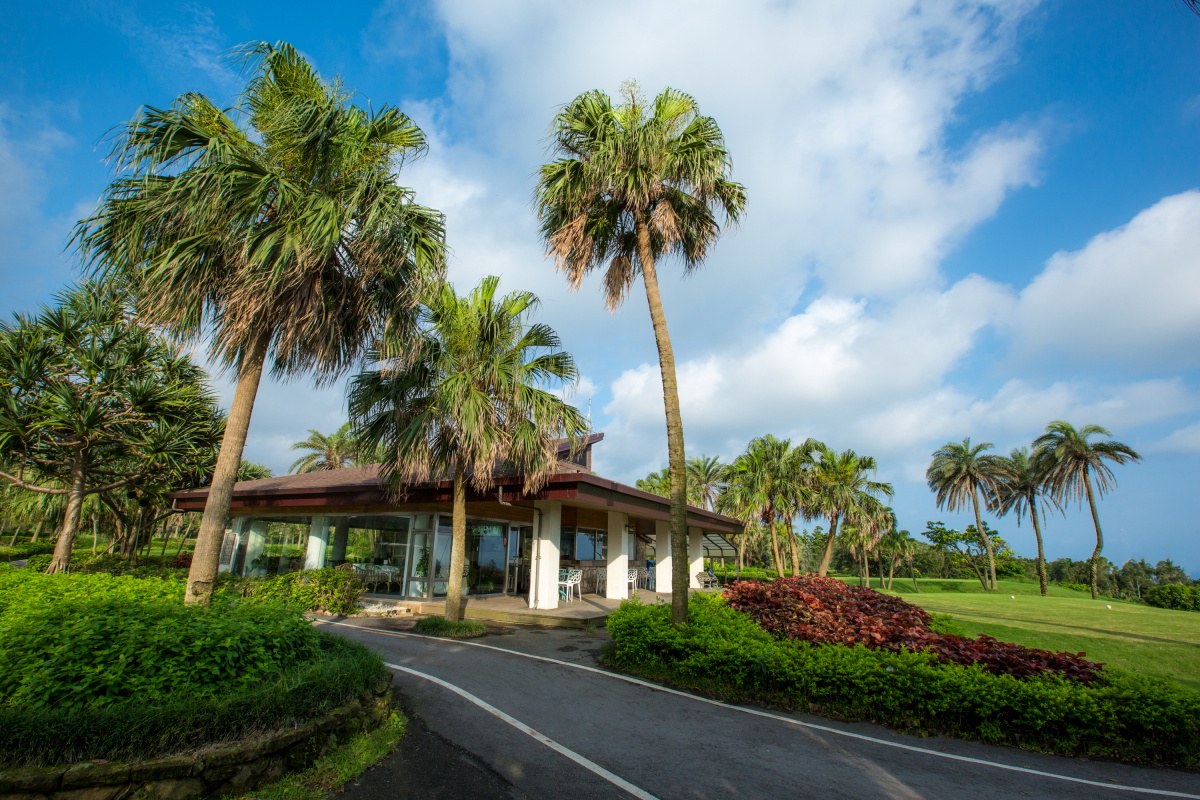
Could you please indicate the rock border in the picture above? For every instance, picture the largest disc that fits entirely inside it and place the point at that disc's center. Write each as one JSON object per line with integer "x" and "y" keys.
{"x": 225, "y": 769}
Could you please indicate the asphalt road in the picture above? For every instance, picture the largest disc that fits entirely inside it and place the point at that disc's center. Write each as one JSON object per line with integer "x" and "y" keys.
{"x": 666, "y": 745}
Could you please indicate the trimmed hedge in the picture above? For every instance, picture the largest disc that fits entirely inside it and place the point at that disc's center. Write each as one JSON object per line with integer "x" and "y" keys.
{"x": 328, "y": 590}
{"x": 1184, "y": 598}
{"x": 723, "y": 652}
{"x": 21, "y": 551}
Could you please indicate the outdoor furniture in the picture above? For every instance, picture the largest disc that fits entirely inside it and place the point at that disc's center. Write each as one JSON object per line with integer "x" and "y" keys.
{"x": 570, "y": 584}
{"x": 648, "y": 578}
{"x": 707, "y": 580}
{"x": 632, "y": 578}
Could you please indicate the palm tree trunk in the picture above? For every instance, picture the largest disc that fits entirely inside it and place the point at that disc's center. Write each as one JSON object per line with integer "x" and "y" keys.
{"x": 66, "y": 540}
{"x": 881, "y": 574}
{"x": 775, "y": 549}
{"x": 95, "y": 532}
{"x": 742, "y": 551}
{"x": 458, "y": 545}
{"x": 183, "y": 538}
{"x": 676, "y": 457}
{"x": 16, "y": 533}
{"x": 987, "y": 542}
{"x": 1041, "y": 558}
{"x": 1087, "y": 482}
{"x": 37, "y": 531}
{"x": 828, "y": 554}
{"x": 202, "y": 576}
{"x": 891, "y": 572}
{"x": 795, "y": 550}
{"x": 913, "y": 574}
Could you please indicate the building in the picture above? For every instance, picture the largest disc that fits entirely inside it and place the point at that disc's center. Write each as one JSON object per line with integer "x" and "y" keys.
{"x": 517, "y": 544}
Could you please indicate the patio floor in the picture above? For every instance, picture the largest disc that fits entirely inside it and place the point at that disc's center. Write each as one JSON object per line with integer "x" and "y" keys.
{"x": 592, "y": 610}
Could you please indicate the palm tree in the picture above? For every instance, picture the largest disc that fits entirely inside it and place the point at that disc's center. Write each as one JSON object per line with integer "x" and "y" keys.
{"x": 739, "y": 500}
{"x": 841, "y": 490}
{"x": 958, "y": 474}
{"x": 334, "y": 451}
{"x": 1071, "y": 461}
{"x": 467, "y": 402}
{"x": 289, "y": 238}
{"x": 1019, "y": 489}
{"x": 253, "y": 471}
{"x": 764, "y": 478}
{"x": 706, "y": 475}
{"x": 656, "y": 483}
{"x": 634, "y": 184}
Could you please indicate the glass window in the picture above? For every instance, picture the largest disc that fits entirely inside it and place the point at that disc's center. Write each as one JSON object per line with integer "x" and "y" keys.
{"x": 566, "y": 543}
{"x": 591, "y": 544}
{"x": 485, "y": 557}
{"x": 377, "y": 540}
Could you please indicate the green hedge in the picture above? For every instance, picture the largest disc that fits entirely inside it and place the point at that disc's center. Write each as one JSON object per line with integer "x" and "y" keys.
{"x": 112, "y": 667}
{"x": 723, "y": 652}
{"x": 332, "y": 591}
{"x": 1184, "y": 598}
{"x": 22, "y": 551}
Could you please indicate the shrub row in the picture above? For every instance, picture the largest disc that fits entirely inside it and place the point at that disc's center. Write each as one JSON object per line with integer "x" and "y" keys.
{"x": 21, "y": 551}
{"x": 331, "y": 591}
{"x": 829, "y": 611}
{"x": 723, "y": 652}
{"x": 1185, "y": 598}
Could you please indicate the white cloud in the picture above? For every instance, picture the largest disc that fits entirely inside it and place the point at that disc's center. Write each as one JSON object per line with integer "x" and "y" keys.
{"x": 1186, "y": 440}
{"x": 1132, "y": 294}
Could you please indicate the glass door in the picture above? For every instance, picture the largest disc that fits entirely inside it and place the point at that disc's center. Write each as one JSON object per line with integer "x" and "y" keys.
{"x": 485, "y": 557}
{"x": 419, "y": 556}
{"x": 520, "y": 550}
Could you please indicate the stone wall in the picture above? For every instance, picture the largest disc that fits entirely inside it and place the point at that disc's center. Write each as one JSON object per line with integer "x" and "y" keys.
{"x": 230, "y": 768}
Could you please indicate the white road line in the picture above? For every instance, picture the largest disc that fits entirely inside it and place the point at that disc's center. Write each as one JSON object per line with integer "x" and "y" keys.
{"x": 616, "y": 780}
{"x": 789, "y": 720}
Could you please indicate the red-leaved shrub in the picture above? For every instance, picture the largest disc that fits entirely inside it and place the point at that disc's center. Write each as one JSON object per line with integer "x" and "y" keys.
{"x": 828, "y": 611}
{"x": 182, "y": 561}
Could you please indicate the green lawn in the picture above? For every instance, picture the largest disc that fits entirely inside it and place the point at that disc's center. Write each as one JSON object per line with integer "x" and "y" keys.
{"x": 1135, "y": 637}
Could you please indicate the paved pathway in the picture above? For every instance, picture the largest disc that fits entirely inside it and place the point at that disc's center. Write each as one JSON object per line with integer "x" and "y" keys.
{"x": 613, "y": 738}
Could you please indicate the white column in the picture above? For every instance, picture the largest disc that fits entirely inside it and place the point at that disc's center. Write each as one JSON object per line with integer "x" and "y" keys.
{"x": 256, "y": 542}
{"x": 543, "y": 588}
{"x": 618, "y": 556}
{"x": 230, "y": 543}
{"x": 318, "y": 537}
{"x": 662, "y": 555}
{"x": 695, "y": 555}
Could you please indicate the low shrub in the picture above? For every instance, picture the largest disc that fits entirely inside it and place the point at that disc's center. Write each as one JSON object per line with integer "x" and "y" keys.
{"x": 439, "y": 626}
{"x": 1184, "y": 598}
{"x": 829, "y": 611}
{"x": 20, "y": 551}
{"x": 38, "y": 563}
{"x": 330, "y": 591}
{"x": 1076, "y": 587}
{"x": 142, "y": 567}
{"x": 20, "y": 588}
{"x": 182, "y": 561}
{"x": 722, "y": 651}
{"x": 946, "y": 624}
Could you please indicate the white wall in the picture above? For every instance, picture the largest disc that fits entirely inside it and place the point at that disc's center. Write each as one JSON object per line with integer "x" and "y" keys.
{"x": 543, "y": 589}
{"x": 618, "y": 556}
{"x": 662, "y": 555}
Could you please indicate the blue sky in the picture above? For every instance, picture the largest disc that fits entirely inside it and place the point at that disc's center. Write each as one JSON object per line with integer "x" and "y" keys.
{"x": 965, "y": 220}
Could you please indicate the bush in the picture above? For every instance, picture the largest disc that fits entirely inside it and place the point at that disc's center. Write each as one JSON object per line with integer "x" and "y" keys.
{"x": 1184, "y": 598}
{"x": 723, "y": 652}
{"x": 438, "y": 626}
{"x": 20, "y": 551}
{"x": 142, "y": 567}
{"x": 829, "y": 611}
{"x": 1076, "y": 587}
{"x": 182, "y": 561}
{"x": 38, "y": 563}
{"x": 116, "y": 667}
{"x": 330, "y": 591}
{"x": 946, "y": 624}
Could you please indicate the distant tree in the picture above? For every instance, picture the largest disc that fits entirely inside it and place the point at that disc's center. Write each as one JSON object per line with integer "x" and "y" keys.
{"x": 253, "y": 471}
{"x": 656, "y": 483}
{"x": 967, "y": 548}
{"x": 93, "y": 402}
{"x": 765, "y": 478}
{"x": 706, "y": 475}
{"x": 1073, "y": 461}
{"x": 279, "y": 231}
{"x": 633, "y": 184}
{"x": 1019, "y": 484}
{"x": 333, "y": 451}
{"x": 897, "y": 547}
{"x": 1166, "y": 572}
{"x": 958, "y": 475}
{"x": 468, "y": 402}
{"x": 841, "y": 490}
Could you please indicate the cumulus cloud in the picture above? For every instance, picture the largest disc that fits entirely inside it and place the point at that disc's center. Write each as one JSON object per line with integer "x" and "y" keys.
{"x": 1184, "y": 441}
{"x": 1131, "y": 294}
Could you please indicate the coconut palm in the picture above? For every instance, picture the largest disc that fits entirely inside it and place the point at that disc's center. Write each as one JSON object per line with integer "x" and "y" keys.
{"x": 841, "y": 491}
{"x": 656, "y": 483}
{"x": 337, "y": 450}
{"x": 287, "y": 237}
{"x": 764, "y": 479}
{"x": 253, "y": 471}
{"x": 1019, "y": 488}
{"x": 635, "y": 183}
{"x": 1072, "y": 461}
{"x": 706, "y": 475}
{"x": 958, "y": 474}
{"x": 738, "y": 499}
{"x": 467, "y": 402}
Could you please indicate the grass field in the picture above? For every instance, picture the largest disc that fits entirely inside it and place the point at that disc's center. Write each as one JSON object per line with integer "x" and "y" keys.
{"x": 1134, "y": 637}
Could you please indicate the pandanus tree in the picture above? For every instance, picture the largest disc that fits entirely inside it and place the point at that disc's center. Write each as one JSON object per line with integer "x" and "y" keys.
{"x": 842, "y": 490}
{"x": 278, "y": 230}
{"x": 468, "y": 401}
{"x": 633, "y": 184}
{"x": 1072, "y": 461}
{"x": 1020, "y": 483}
{"x": 326, "y": 451}
{"x": 958, "y": 475}
{"x": 93, "y": 402}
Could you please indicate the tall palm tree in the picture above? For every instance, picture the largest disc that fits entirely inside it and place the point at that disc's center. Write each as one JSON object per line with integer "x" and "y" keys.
{"x": 467, "y": 402}
{"x": 706, "y": 475}
{"x": 1072, "y": 461}
{"x": 764, "y": 477}
{"x": 739, "y": 500}
{"x": 958, "y": 474}
{"x": 1019, "y": 488}
{"x": 634, "y": 183}
{"x": 337, "y": 450}
{"x": 277, "y": 230}
{"x": 656, "y": 483}
{"x": 841, "y": 490}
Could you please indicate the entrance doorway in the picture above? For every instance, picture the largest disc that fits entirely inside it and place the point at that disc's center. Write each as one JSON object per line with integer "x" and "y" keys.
{"x": 520, "y": 550}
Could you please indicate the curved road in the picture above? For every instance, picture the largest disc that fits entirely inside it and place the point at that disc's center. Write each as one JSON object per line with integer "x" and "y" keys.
{"x": 615, "y": 739}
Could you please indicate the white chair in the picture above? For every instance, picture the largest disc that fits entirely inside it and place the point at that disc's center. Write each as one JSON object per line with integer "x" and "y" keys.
{"x": 570, "y": 584}
{"x": 632, "y": 579}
